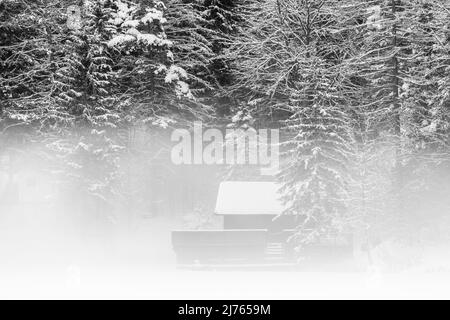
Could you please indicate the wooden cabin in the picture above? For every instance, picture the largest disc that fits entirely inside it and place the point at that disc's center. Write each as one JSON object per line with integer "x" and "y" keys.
{"x": 253, "y": 231}
{"x": 252, "y": 205}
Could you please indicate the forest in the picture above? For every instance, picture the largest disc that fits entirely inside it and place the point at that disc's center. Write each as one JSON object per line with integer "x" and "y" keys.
{"x": 360, "y": 90}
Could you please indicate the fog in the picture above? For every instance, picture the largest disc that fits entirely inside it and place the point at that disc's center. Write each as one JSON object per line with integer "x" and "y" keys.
{"x": 69, "y": 231}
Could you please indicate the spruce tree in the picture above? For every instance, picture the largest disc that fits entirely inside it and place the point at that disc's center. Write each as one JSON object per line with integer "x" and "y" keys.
{"x": 397, "y": 58}
{"x": 290, "y": 58}
{"x": 150, "y": 82}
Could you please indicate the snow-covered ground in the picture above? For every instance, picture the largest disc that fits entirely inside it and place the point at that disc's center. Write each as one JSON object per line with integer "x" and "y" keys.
{"x": 140, "y": 264}
{"x": 148, "y": 284}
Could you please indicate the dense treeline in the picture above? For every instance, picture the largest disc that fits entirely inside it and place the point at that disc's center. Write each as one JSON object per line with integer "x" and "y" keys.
{"x": 76, "y": 75}
{"x": 360, "y": 87}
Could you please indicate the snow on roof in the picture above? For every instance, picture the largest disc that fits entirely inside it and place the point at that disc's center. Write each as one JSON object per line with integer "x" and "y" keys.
{"x": 242, "y": 197}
